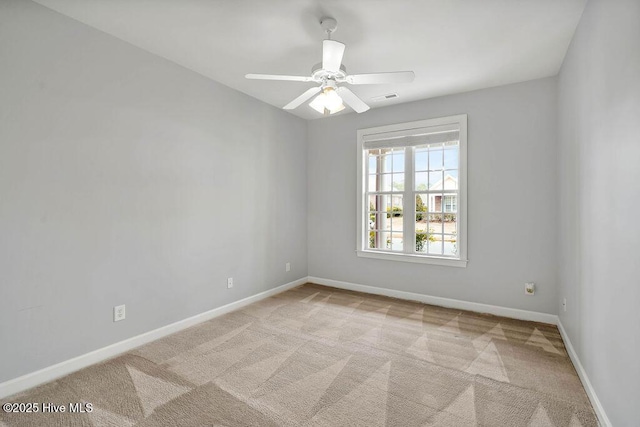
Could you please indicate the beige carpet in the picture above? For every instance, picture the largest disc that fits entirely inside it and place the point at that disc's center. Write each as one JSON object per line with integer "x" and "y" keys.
{"x": 321, "y": 356}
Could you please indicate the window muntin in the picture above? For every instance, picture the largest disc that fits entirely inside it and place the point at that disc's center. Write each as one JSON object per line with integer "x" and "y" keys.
{"x": 413, "y": 206}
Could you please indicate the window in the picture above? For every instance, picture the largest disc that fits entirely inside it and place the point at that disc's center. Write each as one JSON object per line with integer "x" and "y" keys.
{"x": 450, "y": 203}
{"x": 412, "y": 191}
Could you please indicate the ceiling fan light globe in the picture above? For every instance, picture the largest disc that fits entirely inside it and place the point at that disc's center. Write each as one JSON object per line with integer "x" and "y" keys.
{"x": 328, "y": 102}
{"x": 337, "y": 109}
{"x": 318, "y": 103}
{"x": 332, "y": 100}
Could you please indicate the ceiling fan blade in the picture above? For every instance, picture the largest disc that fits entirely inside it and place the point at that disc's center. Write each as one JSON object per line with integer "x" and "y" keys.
{"x": 352, "y": 100}
{"x": 308, "y": 94}
{"x": 278, "y": 77}
{"x": 332, "y": 52}
{"x": 381, "y": 78}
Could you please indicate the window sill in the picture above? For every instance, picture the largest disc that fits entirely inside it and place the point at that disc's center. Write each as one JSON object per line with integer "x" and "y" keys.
{"x": 420, "y": 259}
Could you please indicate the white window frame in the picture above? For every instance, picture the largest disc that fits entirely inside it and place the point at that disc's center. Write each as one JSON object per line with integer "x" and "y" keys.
{"x": 406, "y": 129}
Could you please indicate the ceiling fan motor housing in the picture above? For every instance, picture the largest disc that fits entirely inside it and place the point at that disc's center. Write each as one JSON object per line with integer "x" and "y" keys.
{"x": 320, "y": 75}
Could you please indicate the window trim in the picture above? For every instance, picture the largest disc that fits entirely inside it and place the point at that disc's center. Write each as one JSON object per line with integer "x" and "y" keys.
{"x": 404, "y": 129}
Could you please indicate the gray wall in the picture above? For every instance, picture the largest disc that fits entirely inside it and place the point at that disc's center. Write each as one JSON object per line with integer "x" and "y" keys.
{"x": 511, "y": 198}
{"x": 126, "y": 179}
{"x": 599, "y": 202}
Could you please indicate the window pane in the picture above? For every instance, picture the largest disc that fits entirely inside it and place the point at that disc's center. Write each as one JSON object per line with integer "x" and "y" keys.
{"x": 383, "y": 221}
{"x": 422, "y": 242}
{"x": 450, "y": 224}
{"x": 398, "y": 182}
{"x": 435, "y": 223}
{"x": 373, "y": 238}
{"x": 421, "y": 206}
{"x": 435, "y": 202}
{"x": 396, "y": 201}
{"x": 373, "y": 202}
{"x": 389, "y": 201}
{"x": 435, "y": 158}
{"x": 371, "y": 220}
{"x": 435, "y": 245}
{"x": 381, "y": 203}
{"x": 386, "y": 163}
{"x": 451, "y": 157}
{"x": 450, "y": 245}
{"x": 394, "y": 242}
{"x": 421, "y": 181}
{"x": 450, "y": 182}
{"x": 396, "y": 224}
{"x": 426, "y": 232}
{"x": 386, "y": 181}
{"x": 373, "y": 163}
{"x": 435, "y": 181}
{"x": 421, "y": 159}
{"x": 398, "y": 161}
{"x": 372, "y": 183}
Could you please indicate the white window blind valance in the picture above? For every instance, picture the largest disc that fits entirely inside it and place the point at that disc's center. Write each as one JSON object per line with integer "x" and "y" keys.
{"x": 412, "y": 137}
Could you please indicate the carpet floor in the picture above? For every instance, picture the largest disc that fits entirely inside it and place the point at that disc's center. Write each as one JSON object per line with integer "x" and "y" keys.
{"x": 326, "y": 357}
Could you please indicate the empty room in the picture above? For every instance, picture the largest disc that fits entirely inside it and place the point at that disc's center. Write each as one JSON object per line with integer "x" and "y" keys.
{"x": 319, "y": 213}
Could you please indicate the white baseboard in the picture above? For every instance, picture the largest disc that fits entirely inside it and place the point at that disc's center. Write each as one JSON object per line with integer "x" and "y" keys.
{"x": 595, "y": 402}
{"x": 443, "y": 302}
{"x": 58, "y": 370}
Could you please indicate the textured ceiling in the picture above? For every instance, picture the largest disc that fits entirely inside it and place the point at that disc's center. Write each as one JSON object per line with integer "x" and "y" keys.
{"x": 452, "y": 45}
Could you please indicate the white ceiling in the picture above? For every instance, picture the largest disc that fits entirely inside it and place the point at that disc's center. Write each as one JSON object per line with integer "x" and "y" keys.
{"x": 452, "y": 45}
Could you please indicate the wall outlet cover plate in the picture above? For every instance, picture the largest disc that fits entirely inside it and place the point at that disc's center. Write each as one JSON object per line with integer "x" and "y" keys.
{"x": 529, "y": 288}
{"x": 119, "y": 313}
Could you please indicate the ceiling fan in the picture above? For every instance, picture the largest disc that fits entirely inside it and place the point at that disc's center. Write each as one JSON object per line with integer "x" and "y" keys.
{"x": 331, "y": 74}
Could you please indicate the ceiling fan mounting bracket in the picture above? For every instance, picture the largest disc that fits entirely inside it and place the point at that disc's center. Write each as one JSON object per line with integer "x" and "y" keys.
{"x": 329, "y": 25}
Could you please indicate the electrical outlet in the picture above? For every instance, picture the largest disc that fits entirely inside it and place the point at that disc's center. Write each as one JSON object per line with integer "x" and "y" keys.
{"x": 230, "y": 283}
{"x": 119, "y": 313}
{"x": 564, "y": 304}
{"x": 287, "y": 267}
{"x": 529, "y": 288}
